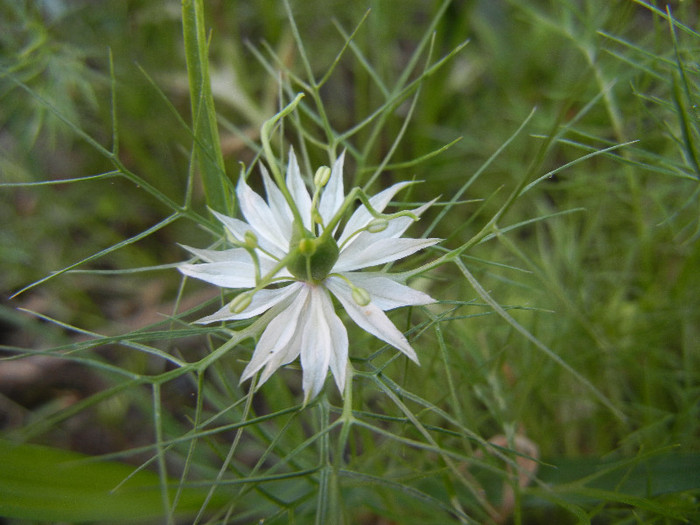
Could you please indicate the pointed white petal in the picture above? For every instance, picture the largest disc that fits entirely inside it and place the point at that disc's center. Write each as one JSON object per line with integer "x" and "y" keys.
{"x": 260, "y": 217}
{"x": 325, "y": 344}
{"x": 333, "y": 194}
{"x": 262, "y": 301}
{"x": 278, "y": 334}
{"x": 225, "y": 274}
{"x": 384, "y": 292}
{"x": 232, "y": 255}
{"x": 365, "y": 254}
{"x": 236, "y": 227}
{"x": 361, "y": 217}
{"x": 371, "y": 319}
{"x": 278, "y": 205}
{"x": 298, "y": 190}
{"x": 285, "y": 356}
{"x": 339, "y": 342}
{"x": 316, "y": 344}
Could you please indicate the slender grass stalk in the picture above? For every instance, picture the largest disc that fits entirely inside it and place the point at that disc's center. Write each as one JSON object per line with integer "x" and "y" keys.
{"x": 206, "y": 135}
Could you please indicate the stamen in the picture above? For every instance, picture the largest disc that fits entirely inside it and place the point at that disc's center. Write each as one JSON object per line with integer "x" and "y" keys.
{"x": 323, "y": 174}
{"x": 250, "y": 239}
{"x": 377, "y": 225}
{"x": 360, "y": 296}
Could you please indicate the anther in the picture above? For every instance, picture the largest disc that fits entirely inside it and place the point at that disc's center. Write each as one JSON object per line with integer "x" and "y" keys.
{"x": 321, "y": 177}
{"x": 360, "y": 296}
{"x": 377, "y": 225}
{"x": 240, "y": 302}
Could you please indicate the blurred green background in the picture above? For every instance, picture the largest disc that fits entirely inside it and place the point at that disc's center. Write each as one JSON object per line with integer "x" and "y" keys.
{"x": 611, "y": 288}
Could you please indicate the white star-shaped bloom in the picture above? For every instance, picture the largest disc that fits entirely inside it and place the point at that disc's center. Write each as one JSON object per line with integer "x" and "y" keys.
{"x": 280, "y": 265}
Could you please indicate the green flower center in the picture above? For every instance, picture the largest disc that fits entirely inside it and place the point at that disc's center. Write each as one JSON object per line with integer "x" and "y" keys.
{"x": 316, "y": 256}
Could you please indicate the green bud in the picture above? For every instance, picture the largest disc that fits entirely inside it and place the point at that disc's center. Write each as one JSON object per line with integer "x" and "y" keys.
{"x": 240, "y": 302}
{"x": 360, "y": 296}
{"x": 377, "y": 225}
{"x": 321, "y": 177}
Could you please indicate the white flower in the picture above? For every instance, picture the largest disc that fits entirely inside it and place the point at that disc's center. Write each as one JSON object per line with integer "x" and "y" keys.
{"x": 295, "y": 270}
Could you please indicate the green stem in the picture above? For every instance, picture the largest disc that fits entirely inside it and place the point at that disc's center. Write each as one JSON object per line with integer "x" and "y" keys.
{"x": 325, "y": 502}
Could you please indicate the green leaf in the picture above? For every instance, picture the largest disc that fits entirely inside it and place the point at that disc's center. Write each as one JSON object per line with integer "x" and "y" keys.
{"x": 638, "y": 482}
{"x": 44, "y": 483}
{"x": 206, "y": 134}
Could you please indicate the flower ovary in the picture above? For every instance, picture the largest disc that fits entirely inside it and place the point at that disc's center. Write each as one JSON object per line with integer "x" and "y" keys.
{"x": 316, "y": 258}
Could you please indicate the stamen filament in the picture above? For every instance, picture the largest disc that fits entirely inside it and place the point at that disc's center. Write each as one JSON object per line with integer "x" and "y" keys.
{"x": 358, "y": 193}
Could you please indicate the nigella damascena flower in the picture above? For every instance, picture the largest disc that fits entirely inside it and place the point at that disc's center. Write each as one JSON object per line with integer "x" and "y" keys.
{"x": 290, "y": 258}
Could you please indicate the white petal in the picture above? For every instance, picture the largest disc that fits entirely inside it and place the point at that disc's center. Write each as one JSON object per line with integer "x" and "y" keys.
{"x": 278, "y": 334}
{"x": 333, "y": 194}
{"x": 285, "y": 356}
{"x": 371, "y": 319}
{"x": 339, "y": 352}
{"x": 232, "y": 255}
{"x": 315, "y": 348}
{"x": 236, "y": 227}
{"x": 260, "y": 217}
{"x": 324, "y": 344}
{"x": 368, "y": 253}
{"x": 262, "y": 301}
{"x": 278, "y": 205}
{"x": 298, "y": 190}
{"x": 225, "y": 274}
{"x": 361, "y": 217}
{"x": 384, "y": 292}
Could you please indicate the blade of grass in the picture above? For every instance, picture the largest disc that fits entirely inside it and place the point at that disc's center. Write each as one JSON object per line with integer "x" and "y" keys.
{"x": 207, "y": 143}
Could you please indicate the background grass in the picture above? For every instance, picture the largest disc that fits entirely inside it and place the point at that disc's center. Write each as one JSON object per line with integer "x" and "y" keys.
{"x": 597, "y": 262}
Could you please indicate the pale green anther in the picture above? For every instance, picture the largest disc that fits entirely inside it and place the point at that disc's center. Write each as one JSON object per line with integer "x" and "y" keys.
{"x": 360, "y": 296}
{"x": 240, "y": 302}
{"x": 251, "y": 240}
{"x": 316, "y": 217}
{"x": 377, "y": 225}
{"x": 321, "y": 177}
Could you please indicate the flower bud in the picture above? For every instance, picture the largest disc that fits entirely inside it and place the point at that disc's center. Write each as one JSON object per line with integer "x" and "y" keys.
{"x": 360, "y": 296}
{"x": 240, "y": 302}
{"x": 321, "y": 177}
